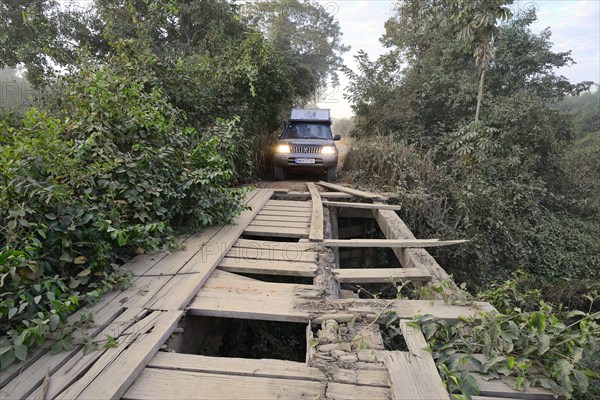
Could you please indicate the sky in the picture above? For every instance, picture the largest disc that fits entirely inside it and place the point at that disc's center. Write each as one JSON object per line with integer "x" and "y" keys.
{"x": 575, "y": 25}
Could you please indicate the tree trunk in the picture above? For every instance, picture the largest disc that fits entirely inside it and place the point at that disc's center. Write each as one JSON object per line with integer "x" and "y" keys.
{"x": 480, "y": 93}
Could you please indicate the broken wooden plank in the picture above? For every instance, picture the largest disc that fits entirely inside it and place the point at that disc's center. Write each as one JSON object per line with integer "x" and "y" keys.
{"x": 70, "y": 371}
{"x": 390, "y": 242}
{"x": 412, "y": 377}
{"x": 367, "y": 206}
{"x": 156, "y": 383}
{"x": 380, "y": 275}
{"x": 179, "y": 291}
{"x": 354, "y": 192}
{"x": 268, "y": 267}
{"x": 113, "y": 373}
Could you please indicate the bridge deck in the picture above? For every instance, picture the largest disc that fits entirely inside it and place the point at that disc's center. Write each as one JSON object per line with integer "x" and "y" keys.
{"x": 221, "y": 273}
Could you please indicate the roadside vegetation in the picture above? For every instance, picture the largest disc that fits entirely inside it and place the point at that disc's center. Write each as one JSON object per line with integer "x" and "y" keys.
{"x": 467, "y": 121}
{"x": 126, "y": 125}
{"x": 515, "y": 182}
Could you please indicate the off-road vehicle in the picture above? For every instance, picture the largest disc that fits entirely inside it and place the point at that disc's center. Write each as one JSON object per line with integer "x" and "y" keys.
{"x": 307, "y": 144}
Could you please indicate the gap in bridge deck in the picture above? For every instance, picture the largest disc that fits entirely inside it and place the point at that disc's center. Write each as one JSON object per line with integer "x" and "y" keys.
{"x": 270, "y": 238}
{"x": 355, "y": 257}
{"x": 240, "y": 338}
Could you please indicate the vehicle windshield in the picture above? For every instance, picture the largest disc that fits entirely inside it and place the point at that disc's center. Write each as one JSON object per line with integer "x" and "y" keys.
{"x": 308, "y": 130}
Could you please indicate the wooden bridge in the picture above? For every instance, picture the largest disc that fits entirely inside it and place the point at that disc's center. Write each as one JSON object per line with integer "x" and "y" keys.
{"x": 177, "y": 300}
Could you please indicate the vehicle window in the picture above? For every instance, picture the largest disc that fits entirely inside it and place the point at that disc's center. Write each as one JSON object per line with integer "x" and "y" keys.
{"x": 308, "y": 131}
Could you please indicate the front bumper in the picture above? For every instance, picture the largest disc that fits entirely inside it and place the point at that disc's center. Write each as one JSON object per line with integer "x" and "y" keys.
{"x": 323, "y": 161}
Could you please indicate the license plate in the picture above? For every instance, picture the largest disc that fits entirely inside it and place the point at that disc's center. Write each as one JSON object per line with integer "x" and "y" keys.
{"x": 305, "y": 160}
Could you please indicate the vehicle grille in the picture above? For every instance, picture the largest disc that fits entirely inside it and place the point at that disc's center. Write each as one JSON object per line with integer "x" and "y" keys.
{"x": 305, "y": 149}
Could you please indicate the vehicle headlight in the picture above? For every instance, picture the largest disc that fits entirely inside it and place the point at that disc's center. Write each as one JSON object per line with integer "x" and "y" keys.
{"x": 283, "y": 148}
{"x": 328, "y": 150}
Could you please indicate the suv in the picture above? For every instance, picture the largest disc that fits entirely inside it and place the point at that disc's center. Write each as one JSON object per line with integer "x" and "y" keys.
{"x": 307, "y": 144}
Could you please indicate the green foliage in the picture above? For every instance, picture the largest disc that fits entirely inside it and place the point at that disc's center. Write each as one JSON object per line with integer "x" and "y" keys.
{"x": 111, "y": 173}
{"x": 585, "y": 109}
{"x": 308, "y": 36}
{"x": 502, "y": 182}
{"x": 528, "y": 342}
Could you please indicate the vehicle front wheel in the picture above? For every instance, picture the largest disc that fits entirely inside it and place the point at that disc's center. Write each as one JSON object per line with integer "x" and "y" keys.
{"x": 279, "y": 173}
{"x": 331, "y": 174}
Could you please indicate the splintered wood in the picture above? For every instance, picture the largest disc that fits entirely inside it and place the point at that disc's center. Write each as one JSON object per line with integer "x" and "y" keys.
{"x": 238, "y": 271}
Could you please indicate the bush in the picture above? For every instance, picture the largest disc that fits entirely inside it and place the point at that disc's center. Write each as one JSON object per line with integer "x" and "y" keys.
{"x": 528, "y": 342}
{"x": 111, "y": 173}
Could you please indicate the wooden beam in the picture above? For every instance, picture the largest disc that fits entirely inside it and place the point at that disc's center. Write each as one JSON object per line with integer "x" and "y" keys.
{"x": 306, "y": 195}
{"x": 380, "y": 275}
{"x": 354, "y": 192}
{"x": 414, "y": 243}
{"x": 316, "y": 224}
{"x": 368, "y": 206}
{"x": 394, "y": 228}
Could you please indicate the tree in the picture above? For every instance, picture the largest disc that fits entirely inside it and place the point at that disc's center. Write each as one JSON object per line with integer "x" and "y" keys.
{"x": 309, "y": 36}
{"x": 477, "y": 22}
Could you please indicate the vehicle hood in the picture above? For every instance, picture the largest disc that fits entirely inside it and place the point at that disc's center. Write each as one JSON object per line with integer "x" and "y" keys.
{"x": 307, "y": 142}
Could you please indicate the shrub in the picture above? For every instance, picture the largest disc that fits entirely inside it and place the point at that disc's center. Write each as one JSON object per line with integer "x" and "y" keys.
{"x": 113, "y": 171}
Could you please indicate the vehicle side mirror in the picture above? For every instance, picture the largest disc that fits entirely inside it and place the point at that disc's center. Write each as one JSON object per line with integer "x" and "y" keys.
{"x": 337, "y": 137}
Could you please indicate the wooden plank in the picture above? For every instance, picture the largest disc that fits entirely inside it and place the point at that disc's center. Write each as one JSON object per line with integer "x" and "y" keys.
{"x": 287, "y": 254}
{"x": 164, "y": 384}
{"x": 299, "y": 204}
{"x": 277, "y": 232}
{"x": 77, "y": 365}
{"x": 413, "y": 243}
{"x": 316, "y": 224}
{"x": 498, "y": 388}
{"x": 282, "y": 213}
{"x": 341, "y": 391}
{"x": 177, "y": 294}
{"x": 306, "y": 195}
{"x": 305, "y": 218}
{"x": 270, "y": 245}
{"x": 119, "y": 367}
{"x": 354, "y": 192}
{"x": 380, "y": 275}
{"x": 412, "y": 378}
{"x": 287, "y": 224}
{"x": 252, "y": 300}
{"x": 268, "y": 267}
{"x": 367, "y": 206}
{"x": 237, "y": 288}
{"x": 283, "y": 304}
{"x": 265, "y": 368}
{"x": 286, "y": 209}
{"x": 173, "y": 262}
{"x": 394, "y": 228}
{"x": 30, "y": 378}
